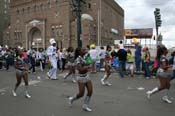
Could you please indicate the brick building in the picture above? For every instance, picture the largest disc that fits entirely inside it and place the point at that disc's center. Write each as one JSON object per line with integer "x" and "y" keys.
{"x": 4, "y": 17}
{"x": 34, "y": 22}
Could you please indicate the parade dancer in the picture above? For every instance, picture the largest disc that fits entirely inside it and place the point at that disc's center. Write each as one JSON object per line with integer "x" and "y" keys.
{"x": 71, "y": 64}
{"x": 21, "y": 73}
{"x": 52, "y": 54}
{"x": 83, "y": 80}
{"x": 163, "y": 75}
{"x": 107, "y": 67}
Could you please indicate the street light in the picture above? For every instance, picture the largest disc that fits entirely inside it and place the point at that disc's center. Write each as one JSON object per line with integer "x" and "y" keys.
{"x": 158, "y": 22}
{"x": 77, "y": 8}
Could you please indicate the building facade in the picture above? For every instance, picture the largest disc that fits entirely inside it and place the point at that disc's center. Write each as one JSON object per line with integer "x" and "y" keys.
{"x": 4, "y": 17}
{"x": 34, "y": 22}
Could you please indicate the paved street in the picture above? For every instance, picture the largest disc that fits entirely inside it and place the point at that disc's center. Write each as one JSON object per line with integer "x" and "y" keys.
{"x": 126, "y": 97}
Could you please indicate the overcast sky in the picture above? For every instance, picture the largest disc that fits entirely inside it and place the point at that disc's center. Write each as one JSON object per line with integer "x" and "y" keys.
{"x": 140, "y": 14}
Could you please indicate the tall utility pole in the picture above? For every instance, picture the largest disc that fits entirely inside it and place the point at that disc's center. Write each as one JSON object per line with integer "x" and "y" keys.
{"x": 79, "y": 23}
{"x": 158, "y": 22}
{"x": 77, "y": 8}
{"x": 99, "y": 23}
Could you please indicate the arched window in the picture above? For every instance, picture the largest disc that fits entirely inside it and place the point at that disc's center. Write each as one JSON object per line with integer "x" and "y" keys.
{"x": 41, "y": 6}
{"x": 23, "y": 11}
{"x": 28, "y": 9}
{"x": 34, "y": 8}
{"x": 17, "y": 11}
{"x": 56, "y": 2}
{"x": 49, "y": 4}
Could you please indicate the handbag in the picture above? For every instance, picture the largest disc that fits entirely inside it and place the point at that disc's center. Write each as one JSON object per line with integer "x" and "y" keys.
{"x": 116, "y": 62}
{"x": 88, "y": 59}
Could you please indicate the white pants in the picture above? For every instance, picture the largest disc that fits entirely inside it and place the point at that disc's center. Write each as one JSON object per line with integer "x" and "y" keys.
{"x": 130, "y": 66}
{"x": 53, "y": 70}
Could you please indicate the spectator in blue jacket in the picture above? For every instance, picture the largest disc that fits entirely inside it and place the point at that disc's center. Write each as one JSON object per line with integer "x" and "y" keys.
{"x": 138, "y": 56}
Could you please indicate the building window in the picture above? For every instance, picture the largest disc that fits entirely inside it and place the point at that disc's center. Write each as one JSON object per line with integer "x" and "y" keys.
{"x": 28, "y": 9}
{"x": 15, "y": 35}
{"x": 89, "y": 5}
{"x": 41, "y": 6}
{"x": 17, "y": 11}
{"x": 34, "y": 8}
{"x": 23, "y": 10}
{"x": 5, "y": 6}
{"x": 49, "y": 4}
{"x": 56, "y": 2}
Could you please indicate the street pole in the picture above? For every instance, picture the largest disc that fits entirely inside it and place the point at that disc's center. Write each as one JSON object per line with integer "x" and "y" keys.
{"x": 99, "y": 24}
{"x": 157, "y": 34}
{"x": 158, "y": 23}
{"x": 79, "y": 23}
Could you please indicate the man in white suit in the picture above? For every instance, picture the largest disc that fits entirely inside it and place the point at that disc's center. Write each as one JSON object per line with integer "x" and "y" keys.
{"x": 53, "y": 57}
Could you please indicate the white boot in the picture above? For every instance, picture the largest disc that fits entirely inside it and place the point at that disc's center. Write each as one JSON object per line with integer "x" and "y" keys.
{"x": 103, "y": 79}
{"x": 86, "y": 108}
{"x": 66, "y": 75}
{"x": 71, "y": 100}
{"x": 107, "y": 83}
{"x": 26, "y": 93}
{"x": 86, "y": 103}
{"x": 166, "y": 99}
{"x": 48, "y": 75}
{"x": 73, "y": 78}
{"x": 14, "y": 93}
{"x": 149, "y": 93}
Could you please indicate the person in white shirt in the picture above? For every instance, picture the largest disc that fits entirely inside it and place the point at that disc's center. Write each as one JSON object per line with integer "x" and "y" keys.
{"x": 63, "y": 58}
{"x": 94, "y": 55}
{"x": 52, "y": 54}
{"x": 39, "y": 57}
{"x": 59, "y": 62}
{"x": 102, "y": 56}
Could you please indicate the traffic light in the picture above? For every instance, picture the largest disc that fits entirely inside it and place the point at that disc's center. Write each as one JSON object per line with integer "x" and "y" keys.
{"x": 158, "y": 17}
